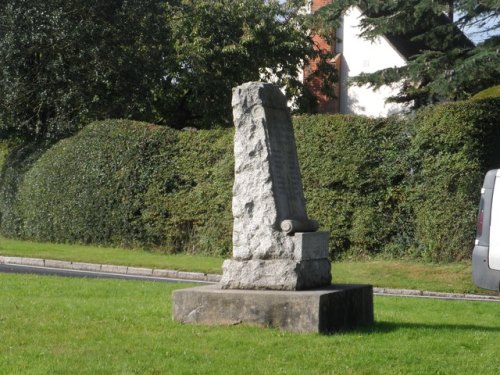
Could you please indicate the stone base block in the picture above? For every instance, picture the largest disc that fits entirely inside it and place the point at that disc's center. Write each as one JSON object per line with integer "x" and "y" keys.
{"x": 312, "y": 245}
{"x": 276, "y": 274}
{"x": 324, "y": 310}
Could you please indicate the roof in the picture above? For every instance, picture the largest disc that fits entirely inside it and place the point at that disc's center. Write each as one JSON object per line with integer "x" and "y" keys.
{"x": 408, "y": 46}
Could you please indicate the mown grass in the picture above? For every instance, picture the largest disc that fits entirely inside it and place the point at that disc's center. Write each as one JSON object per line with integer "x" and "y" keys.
{"x": 453, "y": 277}
{"x": 53, "y": 325}
{"x": 110, "y": 255}
{"x": 406, "y": 274}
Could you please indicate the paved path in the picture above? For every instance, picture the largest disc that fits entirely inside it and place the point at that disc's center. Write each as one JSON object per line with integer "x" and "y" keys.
{"x": 79, "y": 269}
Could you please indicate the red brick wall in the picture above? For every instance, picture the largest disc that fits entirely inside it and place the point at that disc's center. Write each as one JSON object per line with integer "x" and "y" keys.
{"x": 325, "y": 104}
{"x": 316, "y": 4}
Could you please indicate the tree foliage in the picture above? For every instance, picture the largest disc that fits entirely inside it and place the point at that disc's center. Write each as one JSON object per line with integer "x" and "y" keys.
{"x": 219, "y": 44}
{"x": 445, "y": 64}
{"x": 65, "y": 63}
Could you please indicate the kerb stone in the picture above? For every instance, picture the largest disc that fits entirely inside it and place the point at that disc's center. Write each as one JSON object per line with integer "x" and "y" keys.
{"x": 57, "y": 263}
{"x": 86, "y": 266}
{"x": 139, "y": 271}
{"x": 113, "y": 269}
{"x": 33, "y": 262}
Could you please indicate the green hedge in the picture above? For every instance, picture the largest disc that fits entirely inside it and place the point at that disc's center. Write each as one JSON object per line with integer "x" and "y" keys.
{"x": 16, "y": 159}
{"x": 492, "y": 92}
{"x": 354, "y": 171}
{"x": 454, "y": 144}
{"x": 130, "y": 184}
{"x": 391, "y": 186}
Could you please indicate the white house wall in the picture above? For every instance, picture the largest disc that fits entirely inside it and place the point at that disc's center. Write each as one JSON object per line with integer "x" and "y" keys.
{"x": 362, "y": 56}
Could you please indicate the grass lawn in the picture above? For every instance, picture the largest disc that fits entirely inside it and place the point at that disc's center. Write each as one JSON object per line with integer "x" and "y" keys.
{"x": 110, "y": 255}
{"x": 52, "y": 325}
{"x": 454, "y": 277}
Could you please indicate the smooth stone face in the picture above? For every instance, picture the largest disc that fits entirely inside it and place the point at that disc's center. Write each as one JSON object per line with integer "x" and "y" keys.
{"x": 309, "y": 246}
{"x": 325, "y": 310}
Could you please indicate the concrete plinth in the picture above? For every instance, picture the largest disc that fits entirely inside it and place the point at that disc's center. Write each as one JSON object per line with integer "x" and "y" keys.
{"x": 324, "y": 310}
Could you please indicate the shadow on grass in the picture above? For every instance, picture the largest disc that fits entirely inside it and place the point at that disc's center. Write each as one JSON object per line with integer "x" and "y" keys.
{"x": 387, "y": 327}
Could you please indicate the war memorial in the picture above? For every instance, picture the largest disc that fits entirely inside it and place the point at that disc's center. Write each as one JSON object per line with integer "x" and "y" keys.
{"x": 280, "y": 272}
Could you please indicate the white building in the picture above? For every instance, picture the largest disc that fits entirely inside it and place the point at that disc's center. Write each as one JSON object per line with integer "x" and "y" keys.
{"x": 356, "y": 55}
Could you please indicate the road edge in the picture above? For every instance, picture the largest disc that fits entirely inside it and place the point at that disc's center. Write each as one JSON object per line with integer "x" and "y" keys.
{"x": 212, "y": 278}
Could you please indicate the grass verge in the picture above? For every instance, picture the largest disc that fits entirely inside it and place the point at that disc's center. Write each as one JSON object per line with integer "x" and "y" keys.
{"x": 110, "y": 255}
{"x": 52, "y": 325}
{"x": 453, "y": 277}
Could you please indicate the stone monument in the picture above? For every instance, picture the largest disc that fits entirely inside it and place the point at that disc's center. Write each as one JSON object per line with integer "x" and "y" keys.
{"x": 275, "y": 245}
{"x": 280, "y": 272}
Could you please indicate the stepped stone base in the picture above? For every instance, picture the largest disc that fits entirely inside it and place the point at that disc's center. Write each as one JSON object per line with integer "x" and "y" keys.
{"x": 323, "y": 310}
{"x": 307, "y": 267}
{"x": 276, "y": 274}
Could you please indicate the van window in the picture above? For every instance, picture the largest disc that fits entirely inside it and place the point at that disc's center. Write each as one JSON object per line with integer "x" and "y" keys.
{"x": 494, "y": 253}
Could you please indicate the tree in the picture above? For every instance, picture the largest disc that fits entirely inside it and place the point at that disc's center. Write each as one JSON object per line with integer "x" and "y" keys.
{"x": 445, "y": 64}
{"x": 65, "y": 63}
{"x": 222, "y": 43}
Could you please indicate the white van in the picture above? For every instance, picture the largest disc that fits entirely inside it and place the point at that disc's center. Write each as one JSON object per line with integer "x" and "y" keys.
{"x": 486, "y": 254}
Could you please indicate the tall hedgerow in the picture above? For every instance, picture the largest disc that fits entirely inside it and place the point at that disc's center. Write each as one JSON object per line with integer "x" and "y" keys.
{"x": 455, "y": 144}
{"x": 132, "y": 184}
{"x": 379, "y": 186}
{"x": 354, "y": 173}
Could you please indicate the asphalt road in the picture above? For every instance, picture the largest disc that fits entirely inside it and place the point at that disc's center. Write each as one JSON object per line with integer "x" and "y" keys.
{"x": 11, "y": 268}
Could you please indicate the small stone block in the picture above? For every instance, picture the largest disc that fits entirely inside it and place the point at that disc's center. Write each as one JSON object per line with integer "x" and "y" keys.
{"x": 139, "y": 271}
{"x": 33, "y": 262}
{"x": 113, "y": 269}
{"x": 213, "y": 278}
{"x": 166, "y": 273}
{"x": 10, "y": 260}
{"x": 86, "y": 266}
{"x": 192, "y": 276}
{"x": 277, "y": 274}
{"x": 311, "y": 245}
{"x": 57, "y": 264}
{"x": 323, "y": 310}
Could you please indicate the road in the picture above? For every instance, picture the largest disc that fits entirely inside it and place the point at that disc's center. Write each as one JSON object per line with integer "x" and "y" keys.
{"x": 14, "y": 268}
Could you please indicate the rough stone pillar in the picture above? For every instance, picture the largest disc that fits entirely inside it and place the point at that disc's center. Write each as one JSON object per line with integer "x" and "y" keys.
{"x": 275, "y": 245}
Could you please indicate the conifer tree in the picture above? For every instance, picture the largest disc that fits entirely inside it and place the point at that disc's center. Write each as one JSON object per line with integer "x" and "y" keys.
{"x": 444, "y": 64}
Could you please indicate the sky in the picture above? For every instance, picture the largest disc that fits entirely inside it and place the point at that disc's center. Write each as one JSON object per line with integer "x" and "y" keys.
{"x": 477, "y": 35}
